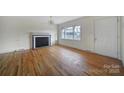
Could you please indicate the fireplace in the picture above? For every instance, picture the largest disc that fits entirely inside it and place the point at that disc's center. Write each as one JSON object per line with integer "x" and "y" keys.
{"x": 41, "y": 41}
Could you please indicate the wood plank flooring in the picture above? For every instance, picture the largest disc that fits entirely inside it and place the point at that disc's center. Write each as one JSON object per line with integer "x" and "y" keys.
{"x": 58, "y": 61}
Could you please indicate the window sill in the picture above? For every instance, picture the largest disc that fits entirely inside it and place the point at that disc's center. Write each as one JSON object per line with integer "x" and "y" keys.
{"x": 71, "y": 39}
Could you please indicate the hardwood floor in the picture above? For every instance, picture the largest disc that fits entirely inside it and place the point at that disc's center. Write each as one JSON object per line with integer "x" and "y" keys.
{"x": 58, "y": 61}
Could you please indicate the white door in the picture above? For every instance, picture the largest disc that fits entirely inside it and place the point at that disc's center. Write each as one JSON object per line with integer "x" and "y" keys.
{"x": 106, "y": 36}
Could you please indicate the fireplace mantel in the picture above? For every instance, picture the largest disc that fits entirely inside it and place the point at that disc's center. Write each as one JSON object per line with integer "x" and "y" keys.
{"x": 40, "y": 33}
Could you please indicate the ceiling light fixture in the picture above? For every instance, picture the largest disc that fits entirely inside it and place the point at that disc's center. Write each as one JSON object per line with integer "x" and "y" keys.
{"x": 51, "y": 20}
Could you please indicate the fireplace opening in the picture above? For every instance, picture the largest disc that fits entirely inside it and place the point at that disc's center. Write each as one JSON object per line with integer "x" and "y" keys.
{"x": 40, "y": 41}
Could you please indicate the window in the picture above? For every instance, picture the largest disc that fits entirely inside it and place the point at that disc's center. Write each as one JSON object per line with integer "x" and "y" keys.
{"x": 72, "y": 33}
{"x": 69, "y": 33}
{"x": 77, "y": 33}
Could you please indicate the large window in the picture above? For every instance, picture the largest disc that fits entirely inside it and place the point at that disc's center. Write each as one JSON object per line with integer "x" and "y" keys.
{"x": 69, "y": 33}
{"x": 72, "y": 33}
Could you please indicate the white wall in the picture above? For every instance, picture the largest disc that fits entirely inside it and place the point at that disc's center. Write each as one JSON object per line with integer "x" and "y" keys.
{"x": 15, "y": 32}
{"x": 122, "y": 38}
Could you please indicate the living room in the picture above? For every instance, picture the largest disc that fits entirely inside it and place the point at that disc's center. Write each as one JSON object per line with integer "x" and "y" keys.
{"x": 97, "y": 35}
